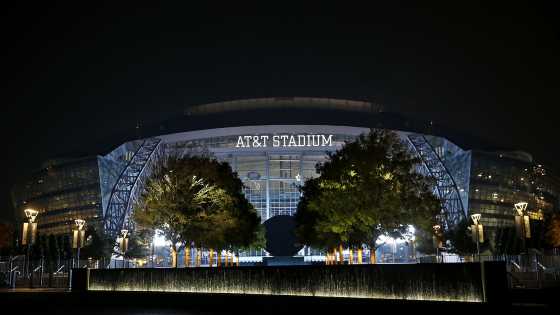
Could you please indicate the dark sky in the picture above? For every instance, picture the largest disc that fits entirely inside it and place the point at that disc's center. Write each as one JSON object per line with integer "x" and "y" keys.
{"x": 77, "y": 75}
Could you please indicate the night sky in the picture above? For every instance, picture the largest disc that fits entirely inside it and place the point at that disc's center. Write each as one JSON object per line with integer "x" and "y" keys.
{"x": 75, "y": 76}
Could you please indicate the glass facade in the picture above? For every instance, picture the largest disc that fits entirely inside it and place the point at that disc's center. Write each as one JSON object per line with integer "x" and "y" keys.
{"x": 457, "y": 162}
{"x": 62, "y": 191}
{"x": 272, "y": 180}
{"x": 488, "y": 182}
{"x": 501, "y": 179}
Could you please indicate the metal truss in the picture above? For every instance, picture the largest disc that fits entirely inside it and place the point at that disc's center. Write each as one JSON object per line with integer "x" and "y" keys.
{"x": 128, "y": 187}
{"x": 446, "y": 189}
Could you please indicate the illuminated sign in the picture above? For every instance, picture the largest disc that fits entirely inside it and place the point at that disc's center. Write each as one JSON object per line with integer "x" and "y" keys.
{"x": 264, "y": 141}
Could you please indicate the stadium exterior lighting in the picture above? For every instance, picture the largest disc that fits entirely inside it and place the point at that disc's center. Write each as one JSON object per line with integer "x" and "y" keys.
{"x": 29, "y": 234}
{"x": 437, "y": 240}
{"x": 522, "y": 223}
{"x": 477, "y": 231}
{"x": 78, "y": 237}
{"x": 123, "y": 243}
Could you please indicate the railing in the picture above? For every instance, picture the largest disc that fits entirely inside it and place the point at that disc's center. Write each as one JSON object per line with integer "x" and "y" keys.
{"x": 526, "y": 271}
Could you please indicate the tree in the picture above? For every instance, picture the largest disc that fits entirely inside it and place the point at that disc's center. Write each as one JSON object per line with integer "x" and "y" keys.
{"x": 138, "y": 244}
{"x": 96, "y": 245}
{"x": 425, "y": 242}
{"x": 66, "y": 247}
{"x": 366, "y": 189}
{"x": 461, "y": 241}
{"x": 52, "y": 256}
{"x": 507, "y": 241}
{"x": 6, "y": 238}
{"x": 197, "y": 199}
{"x": 553, "y": 231}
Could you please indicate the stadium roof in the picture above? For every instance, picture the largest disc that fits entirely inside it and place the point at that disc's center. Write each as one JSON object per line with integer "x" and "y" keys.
{"x": 283, "y": 103}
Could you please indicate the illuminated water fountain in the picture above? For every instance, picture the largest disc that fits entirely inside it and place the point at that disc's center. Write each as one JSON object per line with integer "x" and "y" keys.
{"x": 436, "y": 282}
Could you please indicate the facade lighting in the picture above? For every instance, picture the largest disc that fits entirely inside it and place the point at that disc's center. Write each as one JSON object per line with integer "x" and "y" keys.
{"x": 29, "y": 234}
{"x": 78, "y": 237}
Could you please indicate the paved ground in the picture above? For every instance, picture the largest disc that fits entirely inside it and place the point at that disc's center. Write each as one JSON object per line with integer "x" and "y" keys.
{"x": 35, "y": 290}
{"x": 59, "y": 301}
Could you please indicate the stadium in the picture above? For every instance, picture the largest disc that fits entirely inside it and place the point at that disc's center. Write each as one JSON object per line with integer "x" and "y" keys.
{"x": 274, "y": 144}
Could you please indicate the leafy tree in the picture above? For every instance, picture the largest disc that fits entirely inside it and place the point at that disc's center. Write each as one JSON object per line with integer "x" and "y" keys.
{"x": 6, "y": 238}
{"x": 53, "y": 252}
{"x": 425, "y": 242}
{"x": 66, "y": 247}
{"x": 366, "y": 189}
{"x": 96, "y": 245}
{"x": 197, "y": 199}
{"x": 461, "y": 241}
{"x": 553, "y": 231}
{"x": 138, "y": 244}
{"x": 507, "y": 241}
{"x": 52, "y": 256}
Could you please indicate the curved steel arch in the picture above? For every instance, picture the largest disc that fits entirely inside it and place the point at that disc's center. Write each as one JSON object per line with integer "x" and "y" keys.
{"x": 127, "y": 189}
{"x": 446, "y": 189}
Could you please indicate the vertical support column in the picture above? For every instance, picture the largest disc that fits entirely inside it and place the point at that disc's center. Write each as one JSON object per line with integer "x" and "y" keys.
{"x": 300, "y": 183}
{"x": 267, "y": 174}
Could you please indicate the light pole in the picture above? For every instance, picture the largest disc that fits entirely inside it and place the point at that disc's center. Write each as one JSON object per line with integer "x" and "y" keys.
{"x": 123, "y": 243}
{"x": 153, "y": 248}
{"x": 522, "y": 223}
{"x": 413, "y": 247}
{"x": 78, "y": 236}
{"x": 29, "y": 234}
{"x": 437, "y": 240}
{"x": 477, "y": 232}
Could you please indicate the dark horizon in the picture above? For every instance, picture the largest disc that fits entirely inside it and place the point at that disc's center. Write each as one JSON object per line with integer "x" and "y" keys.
{"x": 79, "y": 77}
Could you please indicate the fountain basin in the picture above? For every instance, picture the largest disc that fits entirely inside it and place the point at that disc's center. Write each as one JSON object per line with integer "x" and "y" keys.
{"x": 460, "y": 282}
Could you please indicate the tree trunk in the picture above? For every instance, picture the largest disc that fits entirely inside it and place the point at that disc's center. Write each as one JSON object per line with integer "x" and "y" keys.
{"x": 360, "y": 255}
{"x": 187, "y": 256}
{"x": 227, "y": 259}
{"x": 198, "y": 258}
{"x": 50, "y": 268}
{"x": 372, "y": 256}
{"x": 350, "y": 255}
{"x": 219, "y": 263}
{"x": 341, "y": 254}
{"x": 173, "y": 257}
{"x": 211, "y": 257}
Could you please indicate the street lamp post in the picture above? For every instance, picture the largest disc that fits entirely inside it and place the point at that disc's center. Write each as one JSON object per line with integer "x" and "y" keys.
{"x": 29, "y": 234}
{"x": 123, "y": 243}
{"x": 153, "y": 249}
{"x": 522, "y": 229}
{"x": 413, "y": 247}
{"x": 78, "y": 236}
{"x": 437, "y": 240}
{"x": 522, "y": 223}
{"x": 477, "y": 232}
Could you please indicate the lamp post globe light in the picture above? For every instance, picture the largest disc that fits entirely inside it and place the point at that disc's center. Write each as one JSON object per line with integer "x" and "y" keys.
{"x": 477, "y": 231}
{"x": 437, "y": 240}
{"x": 123, "y": 243}
{"x": 522, "y": 223}
{"x": 78, "y": 236}
{"x": 29, "y": 234}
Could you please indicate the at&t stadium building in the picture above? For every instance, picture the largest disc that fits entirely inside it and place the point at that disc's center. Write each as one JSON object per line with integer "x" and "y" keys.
{"x": 274, "y": 144}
